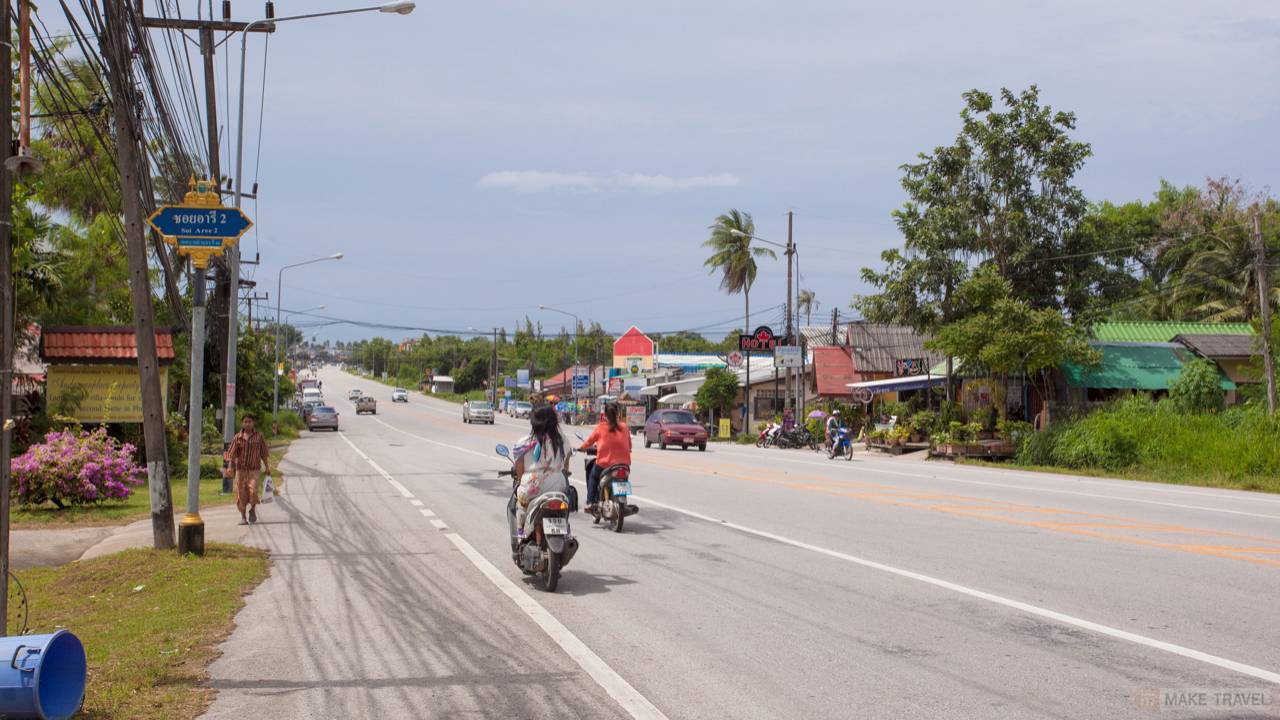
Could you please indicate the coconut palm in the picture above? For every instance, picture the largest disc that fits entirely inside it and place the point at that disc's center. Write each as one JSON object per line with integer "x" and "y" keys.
{"x": 733, "y": 256}
{"x": 1220, "y": 281}
{"x": 807, "y": 303}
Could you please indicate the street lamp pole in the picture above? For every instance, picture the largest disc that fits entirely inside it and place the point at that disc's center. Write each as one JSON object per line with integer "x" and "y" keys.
{"x": 233, "y": 254}
{"x": 275, "y": 371}
{"x": 577, "y": 322}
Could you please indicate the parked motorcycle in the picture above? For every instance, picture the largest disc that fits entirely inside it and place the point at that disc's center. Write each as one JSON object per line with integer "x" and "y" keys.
{"x": 547, "y": 544}
{"x": 768, "y": 435}
{"x": 615, "y": 489}
{"x": 841, "y": 444}
{"x": 797, "y": 437}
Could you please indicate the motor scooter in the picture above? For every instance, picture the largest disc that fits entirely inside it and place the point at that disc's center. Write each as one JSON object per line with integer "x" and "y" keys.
{"x": 547, "y": 544}
{"x": 615, "y": 489}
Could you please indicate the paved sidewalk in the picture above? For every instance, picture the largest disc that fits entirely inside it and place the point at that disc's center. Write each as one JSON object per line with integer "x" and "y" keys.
{"x": 59, "y": 546}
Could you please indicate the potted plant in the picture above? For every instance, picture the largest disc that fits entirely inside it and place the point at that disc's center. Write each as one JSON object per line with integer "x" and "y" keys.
{"x": 925, "y": 423}
{"x": 973, "y": 434}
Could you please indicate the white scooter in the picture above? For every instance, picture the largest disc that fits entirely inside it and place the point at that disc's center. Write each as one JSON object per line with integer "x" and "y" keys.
{"x": 547, "y": 544}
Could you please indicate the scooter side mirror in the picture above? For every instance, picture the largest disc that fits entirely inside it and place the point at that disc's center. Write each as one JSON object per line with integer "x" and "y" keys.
{"x": 579, "y": 435}
{"x": 502, "y": 450}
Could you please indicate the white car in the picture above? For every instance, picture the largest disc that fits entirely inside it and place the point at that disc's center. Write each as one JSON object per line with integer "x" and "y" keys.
{"x": 477, "y": 411}
{"x": 520, "y": 409}
{"x": 354, "y": 395}
{"x": 400, "y": 395}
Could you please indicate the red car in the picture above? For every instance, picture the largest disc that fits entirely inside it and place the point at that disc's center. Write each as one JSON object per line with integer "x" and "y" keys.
{"x": 674, "y": 427}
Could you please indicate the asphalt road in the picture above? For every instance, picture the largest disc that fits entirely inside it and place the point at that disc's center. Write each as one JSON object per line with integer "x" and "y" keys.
{"x": 753, "y": 584}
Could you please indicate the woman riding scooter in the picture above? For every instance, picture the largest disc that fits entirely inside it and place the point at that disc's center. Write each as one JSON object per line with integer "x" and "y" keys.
{"x": 612, "y": 441}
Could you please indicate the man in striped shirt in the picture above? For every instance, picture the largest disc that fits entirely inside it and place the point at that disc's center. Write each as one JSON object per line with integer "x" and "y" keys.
{"x": 248, "y": 453}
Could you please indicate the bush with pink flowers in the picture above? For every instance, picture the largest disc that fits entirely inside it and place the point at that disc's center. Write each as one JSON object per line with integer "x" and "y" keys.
{"x": 76, "y": 467}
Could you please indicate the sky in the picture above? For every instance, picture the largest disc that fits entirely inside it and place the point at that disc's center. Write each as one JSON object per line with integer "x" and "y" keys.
{"x": 474, "y": 160}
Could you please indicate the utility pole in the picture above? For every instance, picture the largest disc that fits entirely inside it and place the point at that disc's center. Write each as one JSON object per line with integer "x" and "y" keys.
{"x": 791, "y": 251}
{"x": 115, "y": 46}
{"x": 1264, "y": 307}
{"x": 6, "y": 324}
{"x": 493, "y": 371}
{"x": 228, "y": 283}
{"x": 250, "y": 300}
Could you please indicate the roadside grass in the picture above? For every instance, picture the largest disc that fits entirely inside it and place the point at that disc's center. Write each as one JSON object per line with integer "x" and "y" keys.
{"x": 121, "y": 512}
{"x": 150, "y": 621}
{"x": 1167, "y": 476}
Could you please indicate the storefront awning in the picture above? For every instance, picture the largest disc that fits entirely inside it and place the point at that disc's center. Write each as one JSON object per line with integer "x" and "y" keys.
{"x": 915, "y": 382}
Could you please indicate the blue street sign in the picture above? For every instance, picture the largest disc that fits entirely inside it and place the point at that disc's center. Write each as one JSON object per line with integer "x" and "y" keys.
{"x": 580, "y": 382}
{"x": 189, "y": 224}
{"x": 509, "y": 382}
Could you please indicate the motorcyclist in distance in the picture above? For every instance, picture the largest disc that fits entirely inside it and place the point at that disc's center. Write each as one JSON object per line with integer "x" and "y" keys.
{"x": 612, "y": 440}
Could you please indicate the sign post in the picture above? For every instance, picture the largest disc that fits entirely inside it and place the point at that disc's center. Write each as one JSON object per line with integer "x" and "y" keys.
{"x": 201, "y": 228}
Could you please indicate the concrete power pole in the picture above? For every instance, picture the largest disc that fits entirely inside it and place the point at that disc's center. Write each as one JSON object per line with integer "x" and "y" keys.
{"x": 118, "y": 55}
{"x": 791, "y": 251}
{"x": 1264, "y": 307}
{"x": 6, "y": 325}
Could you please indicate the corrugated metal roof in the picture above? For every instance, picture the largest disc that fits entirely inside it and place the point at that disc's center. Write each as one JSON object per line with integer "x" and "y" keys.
{"x": 877, "y": 348}
{"x": 1164, "y": 331}
{"x": 1222, "y": 346}
{"x": 1134, "y": 366}
{"x": 99, "y": 344}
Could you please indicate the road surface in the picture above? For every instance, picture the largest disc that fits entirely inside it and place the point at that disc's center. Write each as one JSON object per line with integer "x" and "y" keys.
{"x": 753, "y": 584}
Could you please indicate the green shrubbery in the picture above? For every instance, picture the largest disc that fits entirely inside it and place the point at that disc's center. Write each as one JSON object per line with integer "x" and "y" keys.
{"x": 1239, "y": 447}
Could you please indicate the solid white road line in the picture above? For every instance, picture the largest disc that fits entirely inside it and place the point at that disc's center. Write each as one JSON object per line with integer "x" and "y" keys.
{"x": 619, "y": 689}
{"x": 386, "y": 475}
{"x": 1028, "y": 608}
{"x": 636, "y": 705}
{"x": 1063, "y": 618}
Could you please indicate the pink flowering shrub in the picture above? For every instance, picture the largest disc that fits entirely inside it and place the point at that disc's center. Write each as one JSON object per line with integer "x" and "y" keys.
{"x": 76, "y": 467}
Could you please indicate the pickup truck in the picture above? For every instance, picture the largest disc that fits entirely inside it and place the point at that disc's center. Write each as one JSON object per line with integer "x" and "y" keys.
{"x": 366, "y": 404}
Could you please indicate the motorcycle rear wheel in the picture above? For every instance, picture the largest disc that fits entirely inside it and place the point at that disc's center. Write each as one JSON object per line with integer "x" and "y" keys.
{"x": 551, "y": 578}
{"x": 848, "y": 452}
{"x": 618, "y": 515}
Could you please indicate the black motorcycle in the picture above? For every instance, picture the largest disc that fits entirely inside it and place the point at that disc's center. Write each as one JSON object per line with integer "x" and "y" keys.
{"x": 547, "y": 545}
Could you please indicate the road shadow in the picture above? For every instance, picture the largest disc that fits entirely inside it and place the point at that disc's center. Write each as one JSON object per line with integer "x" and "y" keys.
{"x": 576, "y": 584}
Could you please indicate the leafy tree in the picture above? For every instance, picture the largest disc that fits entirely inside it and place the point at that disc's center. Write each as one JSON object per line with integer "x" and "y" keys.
{"x": 1006, "y": 336}
{"x": 685, "y": 342}
{"x": 718, "y": 392}
{"x": 1001, "y": 194}
{"x": 733, "y": 256}
{"x": 1198, "y": 388}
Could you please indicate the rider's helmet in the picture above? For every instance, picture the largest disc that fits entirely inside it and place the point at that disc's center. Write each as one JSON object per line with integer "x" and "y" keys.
{"x": 836, "y": 413}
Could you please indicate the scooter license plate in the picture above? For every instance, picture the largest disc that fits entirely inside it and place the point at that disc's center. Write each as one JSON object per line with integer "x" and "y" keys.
{"x": 622, "y": 488}
{"x": 555, "y": 526}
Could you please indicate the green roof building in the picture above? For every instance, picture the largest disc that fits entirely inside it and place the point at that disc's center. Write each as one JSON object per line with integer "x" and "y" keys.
{"x": 1164, "y": 331}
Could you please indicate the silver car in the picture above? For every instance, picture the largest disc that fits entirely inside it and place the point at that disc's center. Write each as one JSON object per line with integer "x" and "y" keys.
{"x": 521, "y": 409}
{"x": 477, "y": 411}
{"x": 322, "y": 416}
{"x": 400, "y": 395}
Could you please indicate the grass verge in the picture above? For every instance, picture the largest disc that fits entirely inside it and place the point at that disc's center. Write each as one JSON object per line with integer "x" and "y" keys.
{"x": 150, "y": 621}
{"x": 1268, "y": 484}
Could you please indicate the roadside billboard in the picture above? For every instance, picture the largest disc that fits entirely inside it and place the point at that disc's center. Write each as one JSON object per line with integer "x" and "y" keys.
{"x": 99, "y": 393}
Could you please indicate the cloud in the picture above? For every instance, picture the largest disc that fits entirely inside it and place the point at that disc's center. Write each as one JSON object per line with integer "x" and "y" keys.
{"x": 663, "y": 183}
{"x": 536, "y": 181}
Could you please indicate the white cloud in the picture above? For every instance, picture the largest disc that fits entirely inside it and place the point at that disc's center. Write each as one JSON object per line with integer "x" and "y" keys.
{"x": 663, "y": 183}
{"x": 536, "y": 181}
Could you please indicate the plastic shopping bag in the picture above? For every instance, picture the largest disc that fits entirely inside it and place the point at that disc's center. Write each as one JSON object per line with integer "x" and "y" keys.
{"x": 268, "y": 491}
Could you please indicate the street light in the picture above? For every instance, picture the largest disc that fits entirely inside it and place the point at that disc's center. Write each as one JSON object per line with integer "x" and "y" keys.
{"x": 288, "y": 317}
{"x": 576, "y": 323}
{"x": 275, "y": 374}
{"x": 233, "y": 255}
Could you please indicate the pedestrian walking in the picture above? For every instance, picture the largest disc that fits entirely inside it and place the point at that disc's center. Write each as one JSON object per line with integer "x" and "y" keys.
{"x": 248, "y": 458}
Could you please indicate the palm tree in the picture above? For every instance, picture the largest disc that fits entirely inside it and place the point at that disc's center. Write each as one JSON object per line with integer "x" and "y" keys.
{"x": 1220, "y": 281}
{"x": 807, "y": 303}
{"x": 733, "y": 256}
